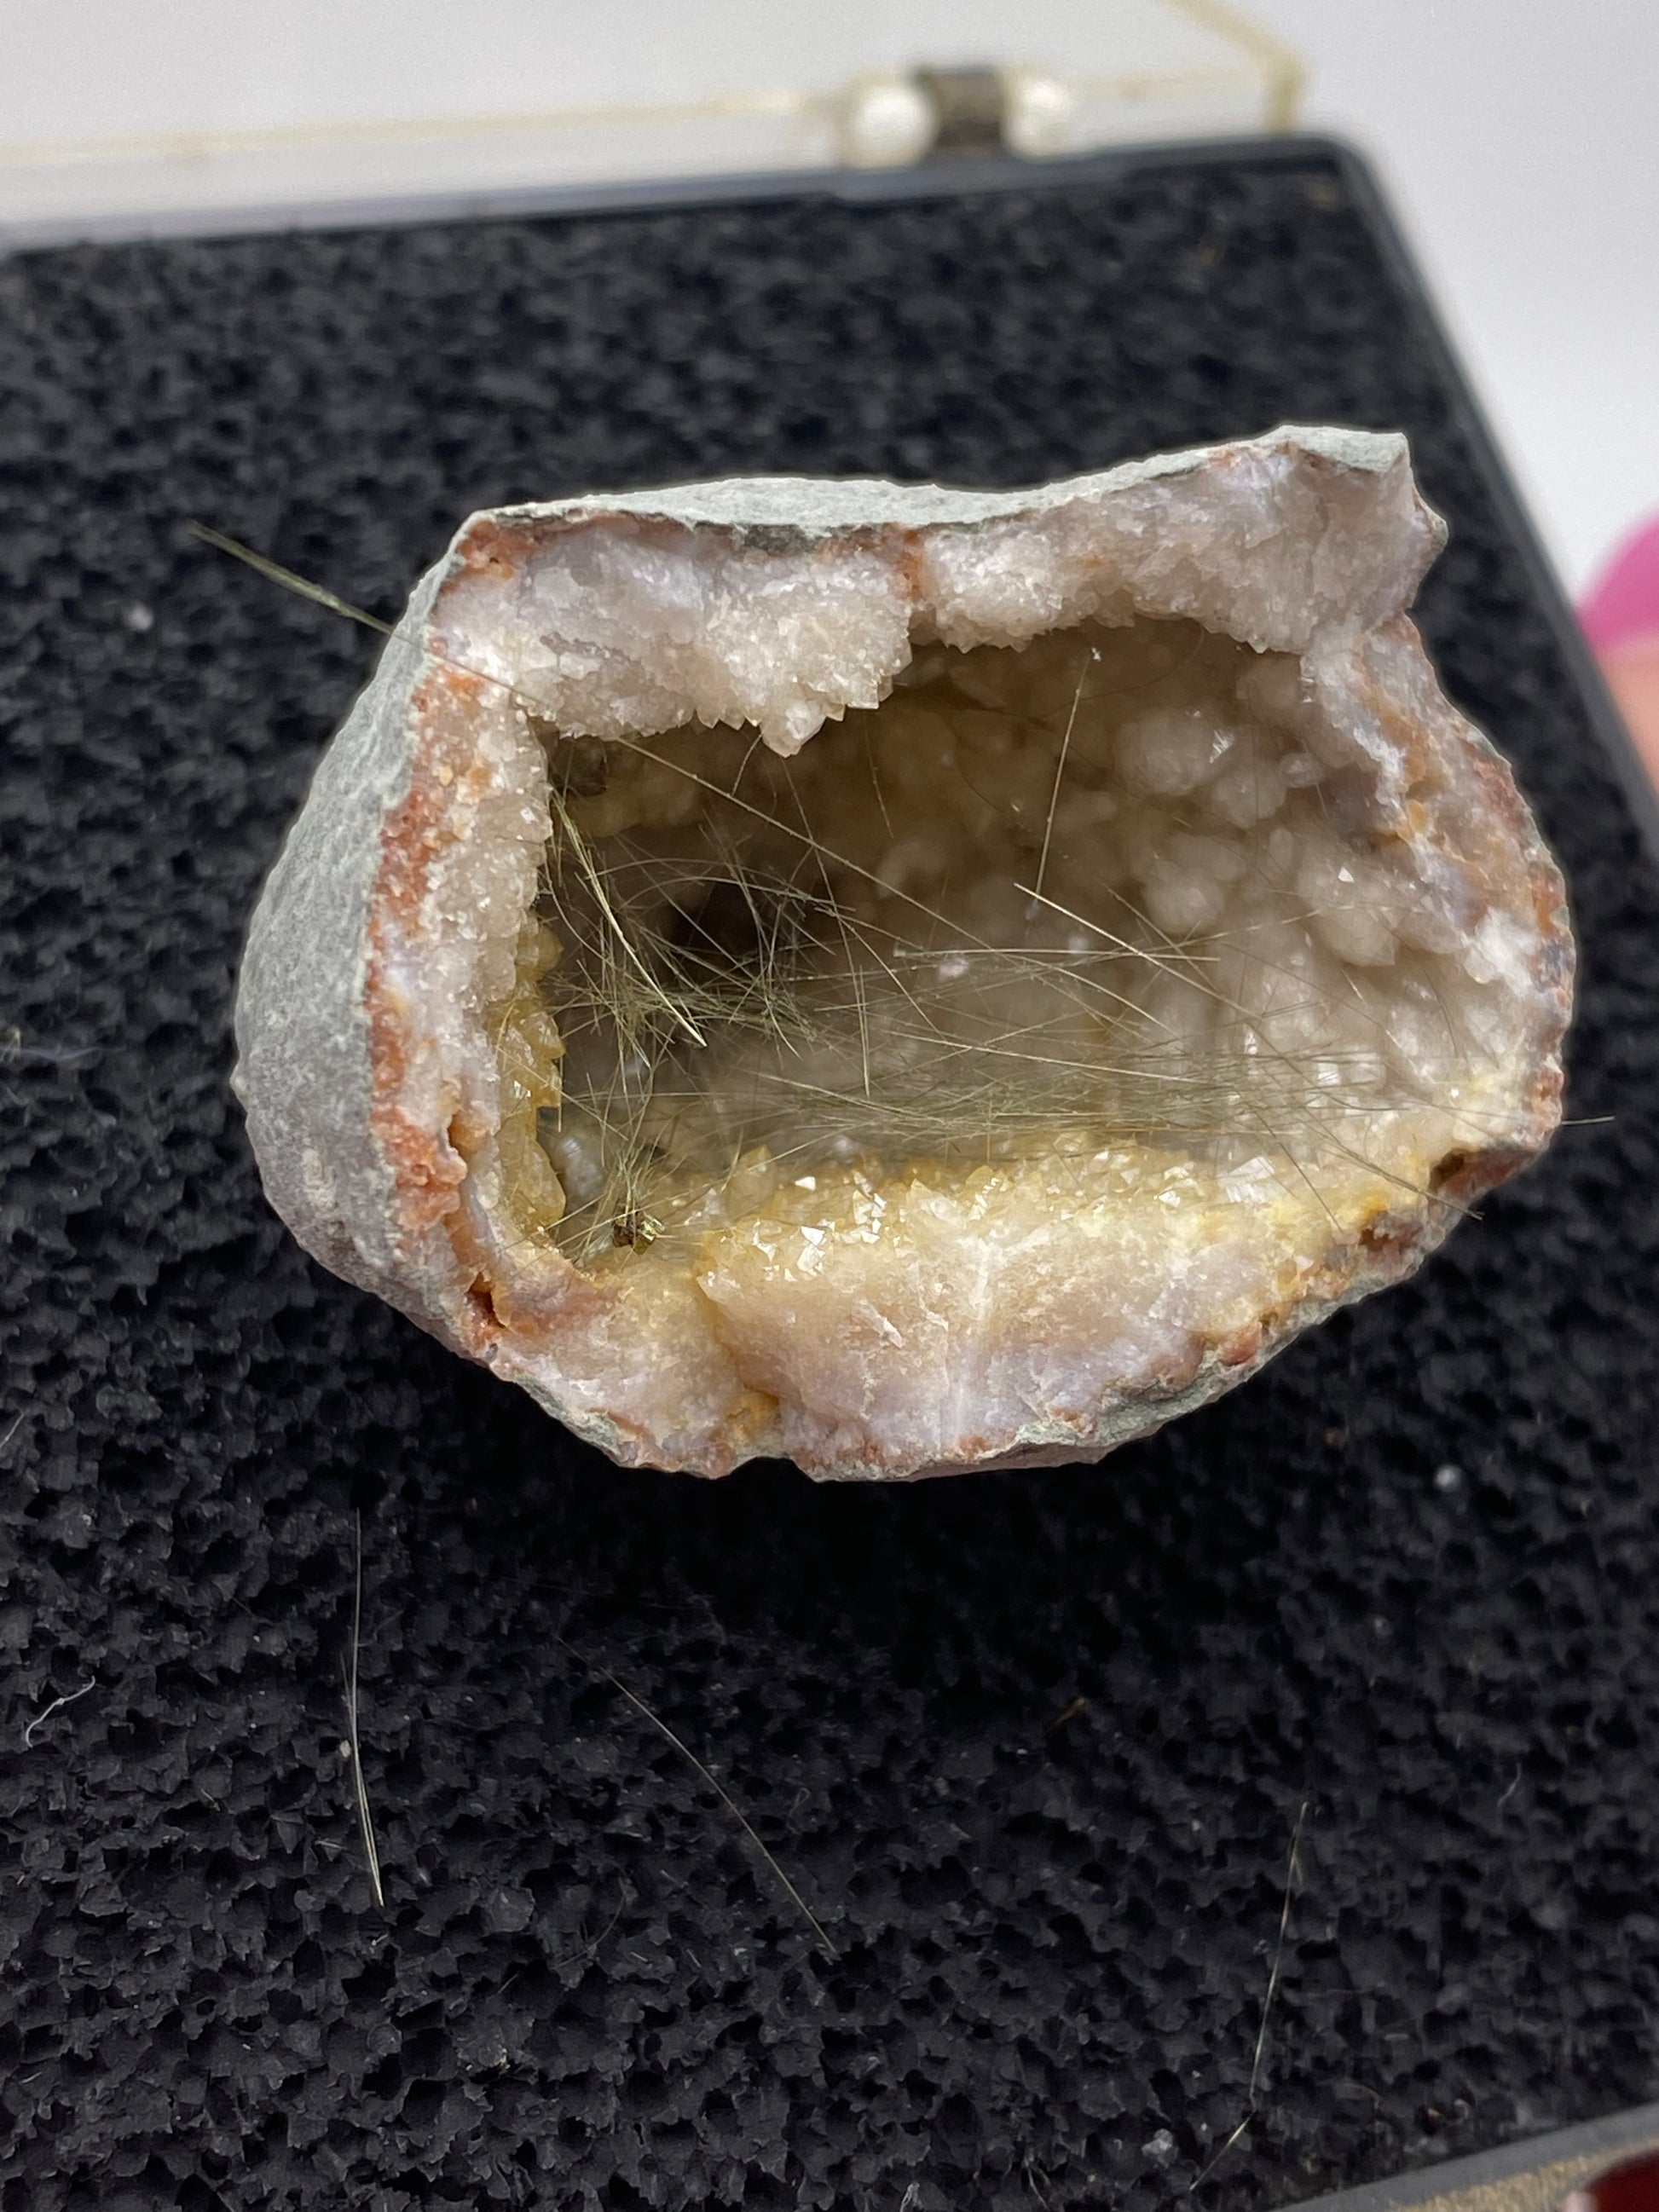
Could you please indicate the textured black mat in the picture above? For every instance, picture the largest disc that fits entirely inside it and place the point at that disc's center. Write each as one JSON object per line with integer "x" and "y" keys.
{"x": 1409, "y": 1576}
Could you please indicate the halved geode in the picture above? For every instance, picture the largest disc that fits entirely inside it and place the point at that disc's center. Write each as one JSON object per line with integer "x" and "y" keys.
{"x": 906, "y": 980}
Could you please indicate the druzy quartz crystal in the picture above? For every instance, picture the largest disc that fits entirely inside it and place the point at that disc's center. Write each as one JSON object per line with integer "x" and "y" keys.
{"x": 900, "y": 979}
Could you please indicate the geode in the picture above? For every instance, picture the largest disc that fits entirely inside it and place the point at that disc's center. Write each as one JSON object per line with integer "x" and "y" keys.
{"x": 900, "y": 979}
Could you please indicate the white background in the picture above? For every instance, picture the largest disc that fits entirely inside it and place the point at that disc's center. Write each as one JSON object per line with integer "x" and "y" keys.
{"x": 1519, "y": 140}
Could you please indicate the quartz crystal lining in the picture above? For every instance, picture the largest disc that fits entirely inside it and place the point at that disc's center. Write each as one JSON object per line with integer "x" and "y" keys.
{"x": 1098, "y": 907}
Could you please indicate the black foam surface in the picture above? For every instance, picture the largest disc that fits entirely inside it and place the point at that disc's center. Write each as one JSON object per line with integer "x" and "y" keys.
{"x": 1033, "y": 1747}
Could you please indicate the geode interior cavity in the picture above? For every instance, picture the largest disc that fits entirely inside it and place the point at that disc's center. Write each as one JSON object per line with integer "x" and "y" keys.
{"x": 906, "y": 980}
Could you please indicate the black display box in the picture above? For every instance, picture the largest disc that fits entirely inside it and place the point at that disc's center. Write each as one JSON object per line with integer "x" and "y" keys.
{"x": 1034, "y": 1748}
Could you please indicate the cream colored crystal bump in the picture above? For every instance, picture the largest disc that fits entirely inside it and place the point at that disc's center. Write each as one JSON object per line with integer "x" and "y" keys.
{"x": 906, "y": 980}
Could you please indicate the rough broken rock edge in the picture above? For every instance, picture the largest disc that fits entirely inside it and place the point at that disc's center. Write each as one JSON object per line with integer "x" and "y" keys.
{"x": 353, "y": 1062}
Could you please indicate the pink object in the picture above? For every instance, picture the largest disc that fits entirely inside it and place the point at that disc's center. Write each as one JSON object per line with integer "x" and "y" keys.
{"x": 1632, "y": 2188}
{"x": 1623, "y": 602}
